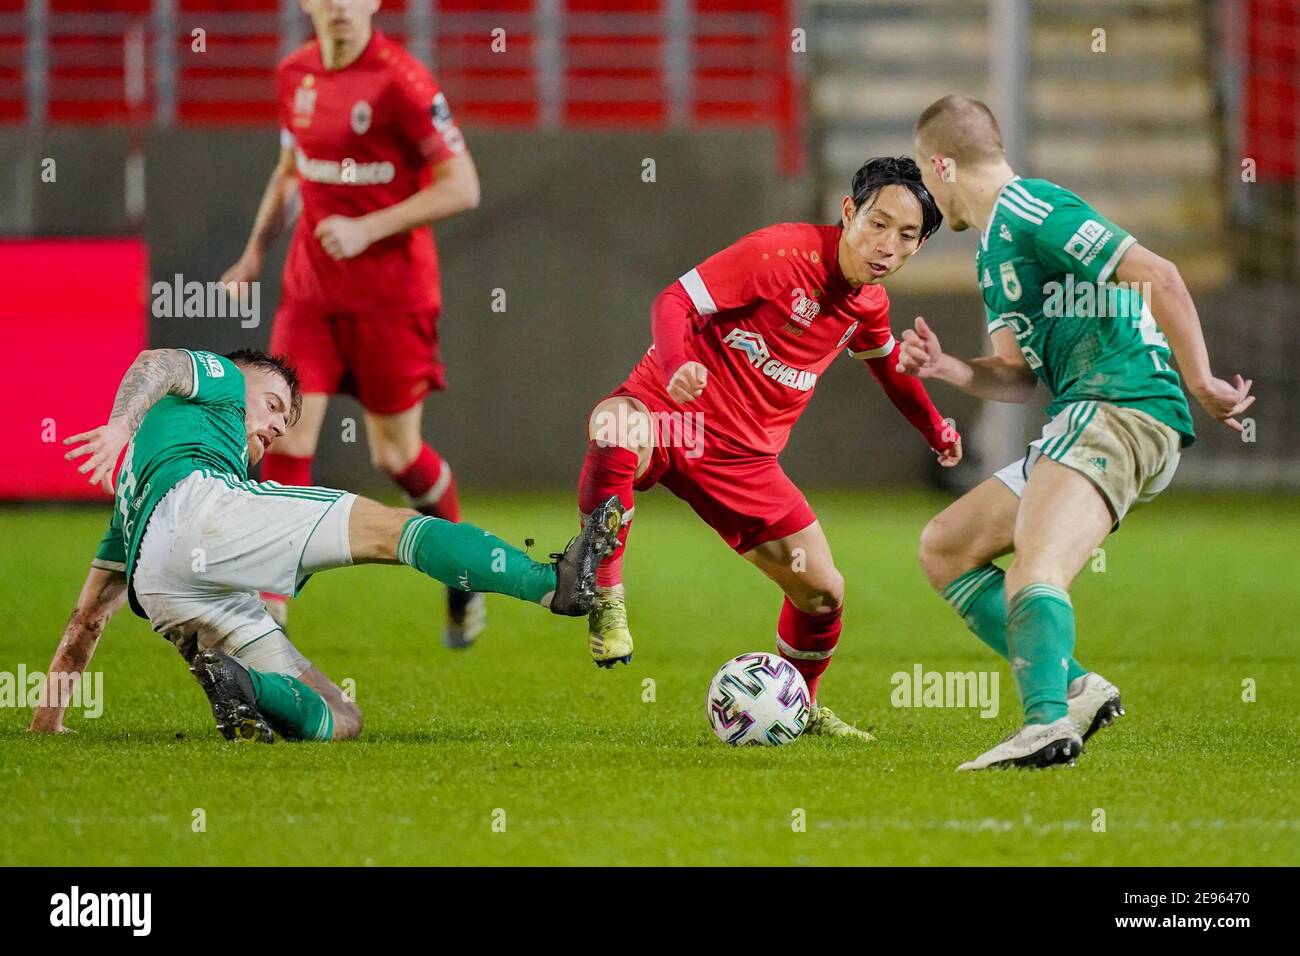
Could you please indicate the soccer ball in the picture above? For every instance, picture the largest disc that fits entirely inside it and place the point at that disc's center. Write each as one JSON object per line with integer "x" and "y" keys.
{"x": 757, "y": 699}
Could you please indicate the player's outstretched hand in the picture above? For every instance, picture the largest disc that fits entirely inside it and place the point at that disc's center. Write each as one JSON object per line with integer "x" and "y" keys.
{"x": 1223, "y": 399}
{"x": 103, "y": 444}
{"x": 919, "y": 352}
{"x": 688, "y": 382}
{"x": 342, "y": 237}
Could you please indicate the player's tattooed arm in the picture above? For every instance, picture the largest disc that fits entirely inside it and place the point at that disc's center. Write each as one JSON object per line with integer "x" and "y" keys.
{"x": 1175, "y": 313}
{"x": 154, "y": 373}
{"x": 101, "y": 597}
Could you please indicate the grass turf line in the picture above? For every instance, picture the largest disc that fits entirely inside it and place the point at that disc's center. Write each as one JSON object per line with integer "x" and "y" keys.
{"x": 1197, "y": 595}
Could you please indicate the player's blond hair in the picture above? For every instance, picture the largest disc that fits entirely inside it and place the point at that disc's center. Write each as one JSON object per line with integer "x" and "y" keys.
{"x": 961, "y": 128}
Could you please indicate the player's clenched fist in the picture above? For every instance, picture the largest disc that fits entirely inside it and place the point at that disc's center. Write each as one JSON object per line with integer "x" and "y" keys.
{"x": 919, "y": 352}
{"x": 341, "y": 237}
{"x": 688, "y": 382}
{"x": 247, "y": 269}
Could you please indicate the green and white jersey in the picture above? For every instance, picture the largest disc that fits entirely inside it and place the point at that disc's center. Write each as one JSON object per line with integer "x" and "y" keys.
{"x": 1044, "y": 266}
{"x": 178, "y": 436}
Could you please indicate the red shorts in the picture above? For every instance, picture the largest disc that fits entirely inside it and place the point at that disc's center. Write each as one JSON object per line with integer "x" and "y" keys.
{"x": 389, "y": 361}
{"x": 745, "y": 497}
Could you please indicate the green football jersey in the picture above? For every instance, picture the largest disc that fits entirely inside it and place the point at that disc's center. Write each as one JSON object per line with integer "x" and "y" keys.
{"x": 177, "y": 437}
{"x": 1044, "y": 266}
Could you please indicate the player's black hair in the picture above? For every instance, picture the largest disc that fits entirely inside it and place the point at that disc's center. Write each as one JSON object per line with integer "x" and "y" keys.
{"x": 875, "y": 174}
{"x": 256, "y": 358}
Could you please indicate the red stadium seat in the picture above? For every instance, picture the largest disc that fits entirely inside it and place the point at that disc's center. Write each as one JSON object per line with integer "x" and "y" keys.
{"x": 598, "y": 63}
{"x": 1272, "y": 87}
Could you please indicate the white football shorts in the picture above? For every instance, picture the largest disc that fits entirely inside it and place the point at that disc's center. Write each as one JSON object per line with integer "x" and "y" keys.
{"x": 1129, "y": 456}
{"x": 215, "y": 541}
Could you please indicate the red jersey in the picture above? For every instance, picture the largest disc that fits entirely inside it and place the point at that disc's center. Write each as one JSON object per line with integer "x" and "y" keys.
{"x": 364, "y": 138}
{"x": 770, "y": 314}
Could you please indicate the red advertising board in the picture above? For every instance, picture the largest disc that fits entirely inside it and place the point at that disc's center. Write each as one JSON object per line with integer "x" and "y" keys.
{"x": 72, "y": 317}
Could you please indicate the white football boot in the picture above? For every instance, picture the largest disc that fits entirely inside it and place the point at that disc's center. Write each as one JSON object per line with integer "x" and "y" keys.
{"x": 466, "y": 618}
{"x": 1033, "y": 745}
{"x": 1094, "y": 703}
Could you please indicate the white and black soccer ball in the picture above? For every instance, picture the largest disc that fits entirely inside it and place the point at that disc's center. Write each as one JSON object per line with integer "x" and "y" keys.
{"x": 757, "y": 699}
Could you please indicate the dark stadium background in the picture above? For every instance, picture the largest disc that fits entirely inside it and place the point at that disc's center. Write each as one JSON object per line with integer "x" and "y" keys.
{"x": 753, "y": 112}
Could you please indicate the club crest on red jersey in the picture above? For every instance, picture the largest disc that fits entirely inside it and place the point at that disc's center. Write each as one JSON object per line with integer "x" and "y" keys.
{"x": 361, "y": 117}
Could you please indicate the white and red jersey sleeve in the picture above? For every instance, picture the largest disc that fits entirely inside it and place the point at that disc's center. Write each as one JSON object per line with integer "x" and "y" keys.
{"x": 284, "y": 87}
{"x": 749, "y": 270}
{"x": 873, "y": 337}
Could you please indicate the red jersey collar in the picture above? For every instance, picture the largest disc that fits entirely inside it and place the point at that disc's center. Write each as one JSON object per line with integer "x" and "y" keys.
{"x": 370, "y": 51}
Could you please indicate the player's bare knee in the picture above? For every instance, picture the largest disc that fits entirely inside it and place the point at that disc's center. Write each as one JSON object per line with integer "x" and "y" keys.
{"x": 819, "y": 594}
{"x": 620, "y": 421}
{"x": 949, "y": 548}
{"x": 938, "y": 551}
{"x": 818, "y": 601}
{"x": 391, "y": 457}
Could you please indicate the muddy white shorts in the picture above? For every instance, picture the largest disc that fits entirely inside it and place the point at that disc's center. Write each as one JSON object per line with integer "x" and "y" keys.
{"x": 214, "y": 541}
{"x": 1129, "y": 456}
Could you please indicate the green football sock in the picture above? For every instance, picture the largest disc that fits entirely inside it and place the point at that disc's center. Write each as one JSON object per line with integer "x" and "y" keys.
{"x": 980, "y": 598}
{"x": 297, "y": 711}
{"x": 1040, "y": 637}
{"x": 463, "y": 556}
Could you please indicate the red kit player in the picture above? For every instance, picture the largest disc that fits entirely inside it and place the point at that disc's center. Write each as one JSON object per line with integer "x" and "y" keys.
{"x": 370, "y": 151}
{"x": 739, "y": 343}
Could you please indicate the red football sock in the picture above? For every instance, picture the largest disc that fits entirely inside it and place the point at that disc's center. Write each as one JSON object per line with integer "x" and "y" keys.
{"x": 807, "y": 641}
{"x": 608, "y": 470}
{"x": 430, "y": 485}
{"x": 287, "y": 469}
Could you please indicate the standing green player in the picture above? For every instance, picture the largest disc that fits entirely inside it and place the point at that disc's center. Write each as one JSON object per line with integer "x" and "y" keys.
{"x": 1064, "y": 294}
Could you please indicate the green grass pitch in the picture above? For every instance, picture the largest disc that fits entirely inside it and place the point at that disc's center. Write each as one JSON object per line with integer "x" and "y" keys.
{"x": 1198, "y": 595}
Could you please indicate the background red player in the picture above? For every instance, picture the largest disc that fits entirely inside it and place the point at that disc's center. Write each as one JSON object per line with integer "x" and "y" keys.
{"x": 739, "y": 343}
{"x": 371, "y": 155}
